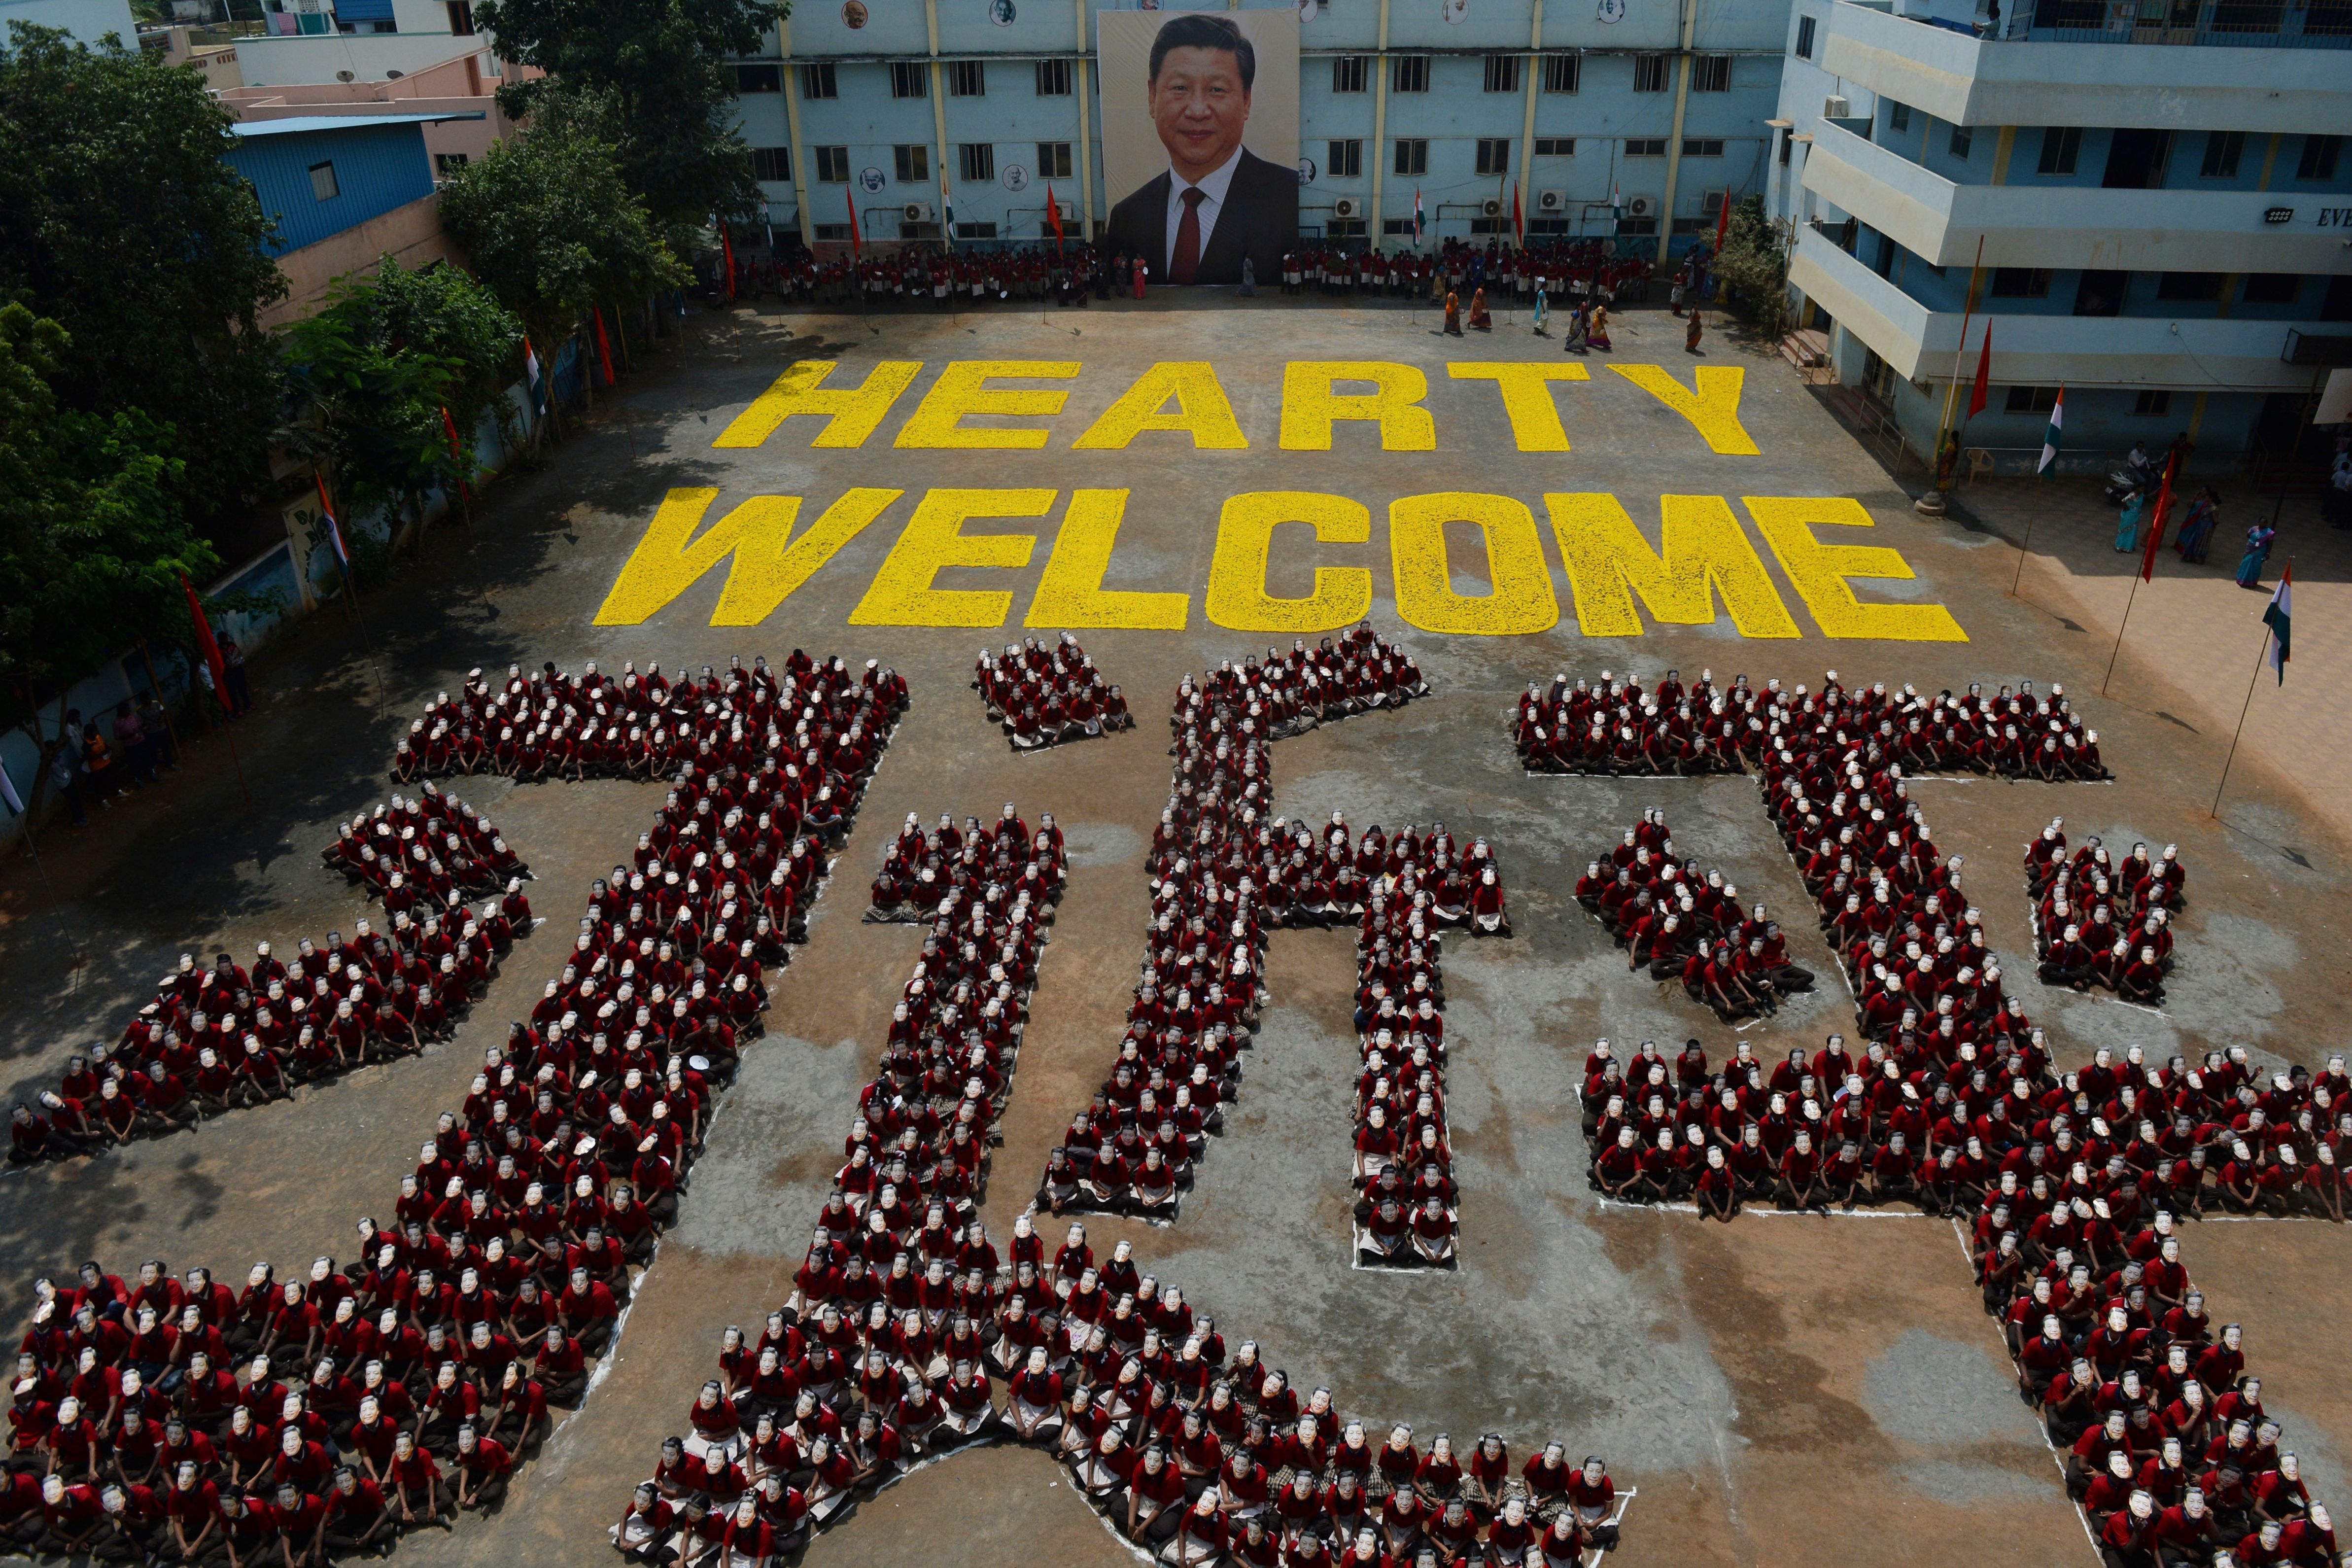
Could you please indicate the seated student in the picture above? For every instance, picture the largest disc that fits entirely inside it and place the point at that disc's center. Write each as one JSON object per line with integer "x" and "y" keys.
{"x": 1204, "y": 1536}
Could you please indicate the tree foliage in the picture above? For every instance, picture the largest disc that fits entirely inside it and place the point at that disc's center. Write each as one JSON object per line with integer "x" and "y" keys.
{"x": 1751, "y": 265}
{"x": 371, "y": 372}
{"x": 550, "y": 223}
{"x": 121, "y": 222}
{"x": 93, "y": 539}
{"x": 663, "y": 65}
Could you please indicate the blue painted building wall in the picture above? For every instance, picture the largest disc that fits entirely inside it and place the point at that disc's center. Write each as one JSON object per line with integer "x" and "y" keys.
{"x": 377, "y": 168}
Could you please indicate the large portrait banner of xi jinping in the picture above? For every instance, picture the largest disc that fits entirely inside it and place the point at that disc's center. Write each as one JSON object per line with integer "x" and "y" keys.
{"x": 1201, "y": 140}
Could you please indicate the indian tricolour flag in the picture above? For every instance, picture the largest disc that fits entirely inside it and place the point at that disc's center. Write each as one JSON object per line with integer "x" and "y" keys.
{"x": 2051, "y": 439}
{"x": 2277, "y": 617}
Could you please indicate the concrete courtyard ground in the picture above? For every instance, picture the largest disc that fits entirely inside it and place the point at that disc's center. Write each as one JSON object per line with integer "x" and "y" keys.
{"x": 1786, "y": 1390}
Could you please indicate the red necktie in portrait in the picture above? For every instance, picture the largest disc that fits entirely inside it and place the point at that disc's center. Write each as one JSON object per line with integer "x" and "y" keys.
{"x": 1188, "y": 238}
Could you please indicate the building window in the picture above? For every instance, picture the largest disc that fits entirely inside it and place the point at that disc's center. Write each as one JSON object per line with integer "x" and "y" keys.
{"x": 1493, "y": 154}
{"x": 833, "y": 165}
{"x": 773, "y": 165}
{"x": 448, "y": 163}
{"x": 2100, "y": 293}
{"x": 2032, "y": 399}
{"x": 1346, "y": 160}
{"x": 1702, "y": 146}
{"x": 2153, "y": 403}
{"x": 2020, "y": 282}
{"x": 975, "y": 162}
{"x": 1804, "y": 37}
{"x": 1555, "y": 146}
{"x": 1649, "y": 73}
{"x": 2222, "y": 150}
{"x": 1409, "y": 73}
{"x": 833, "y": 231}
{"x": 913, "y": 160}
{"x": 1502, "y": 73}
{"x": 1350, "y": 73}
{"x": 1898, "y": 116}
{"x": 819, "y": 81}
{"x": 759, "y": 78}
{"x": 1711, "y": 73}
{"x": 975, "y": 231}
{"x": 910, "y": 80}
{"x": 1413, "y": 156}
{"x": 2318, "y": 161}
{"x": 1646, "y": 147}
{"x": 1053, "y": 78}
{"x": 2061, "y": 146}
{"x": 1563, "y": 73}
{"x": 461, "y": 18}
{"x": 1053, "y": 160}
{"x": 1962, "y": 140}
{"x": 2272, "y": 287}
{"x": 2189, "y": 286}
{"x": 967, "y": 79}
{"x": 1788, "y": 146}
{"x": 322, "y": 182}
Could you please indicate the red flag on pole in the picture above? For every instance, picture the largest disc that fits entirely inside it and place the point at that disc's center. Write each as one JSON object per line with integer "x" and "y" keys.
{"x": 1982, "y": 393}
{"x": 457, "y": 449}
{"x": 204, "y": 643}
{"x": 2156, "y": 519}
{"x": 1518, "y": 219}
{"x": 605, "y": 346}
{"x": 1722, "y": 223}
{"x": 1054, "y": 215}
{"x": 855, "y": 248}
{"x": 727, "y": 244}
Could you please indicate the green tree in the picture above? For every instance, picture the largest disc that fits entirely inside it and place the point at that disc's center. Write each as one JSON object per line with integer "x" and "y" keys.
{"x": 373, "y": 371}
{"x": 1752, "y": 266}
{"x": 121, "y": 222}
{"x": 93, "y": 539}
{"x": 664, "y": 65}
{"x": 551, "y": 226}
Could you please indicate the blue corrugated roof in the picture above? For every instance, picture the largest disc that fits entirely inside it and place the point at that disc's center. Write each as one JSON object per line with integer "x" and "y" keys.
{"x": 302, "y": 123}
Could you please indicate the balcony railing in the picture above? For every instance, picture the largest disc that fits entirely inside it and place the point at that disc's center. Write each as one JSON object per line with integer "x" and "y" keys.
{"x": 2236, "y": 24}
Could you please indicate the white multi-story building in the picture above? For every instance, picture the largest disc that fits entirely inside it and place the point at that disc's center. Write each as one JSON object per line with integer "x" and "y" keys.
{"x": 914, "y": 104}
{"x": 2149, "y": 202}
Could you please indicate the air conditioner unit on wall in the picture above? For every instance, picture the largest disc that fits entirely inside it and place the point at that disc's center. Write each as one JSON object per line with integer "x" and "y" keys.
{"x": 1711, "y": 203}
{"x": 1552, "y": 202}
{"x": 1065, "y": 210}
{"x": 917, "y": 212}
{"x": 1638, "y": 207}
{"x": 1836, "y": 108}
{"x": 1492, "y": 207}
{"x": 1348, "y": 206}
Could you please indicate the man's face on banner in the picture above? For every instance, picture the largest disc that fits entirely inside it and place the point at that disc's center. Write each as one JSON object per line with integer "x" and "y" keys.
{"x": 1200, "y": 107}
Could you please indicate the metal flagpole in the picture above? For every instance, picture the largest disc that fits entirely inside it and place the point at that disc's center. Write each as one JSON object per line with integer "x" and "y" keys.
{"x": 2244, "y": 708}
{"x": 2025, "y": 549}
{"x": 2119, "y": 634}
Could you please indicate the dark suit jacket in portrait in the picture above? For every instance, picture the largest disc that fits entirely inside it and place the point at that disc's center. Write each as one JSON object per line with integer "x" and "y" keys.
{"x": 1259, "y": 219}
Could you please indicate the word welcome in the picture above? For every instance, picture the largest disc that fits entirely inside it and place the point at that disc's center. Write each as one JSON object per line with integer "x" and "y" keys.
{"x": 1313, "y": 402}
{"x": 1703, "y": 556}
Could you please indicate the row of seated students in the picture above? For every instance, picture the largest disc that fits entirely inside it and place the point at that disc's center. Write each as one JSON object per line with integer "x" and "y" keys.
{"x": 1617, "y": 728}
{"x": 2070, "y": 1158}
{"x": 552, "y": 724}
{"x": 227, "y": 1037}
{"x": 897, "y": 1258}
{"x": 2169, "y": 1449}
{"x": 1045, "y": 693}
{"x": 1200, "y": 1457}
{"x": 319, "y": 1415}
{"x": 921, "y": 868}
{"x": 431, "y": 852}
{"x": 2099, "y": 923}
{"x": 1202, "y": 986}
{"x": 1677, "y": 922}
